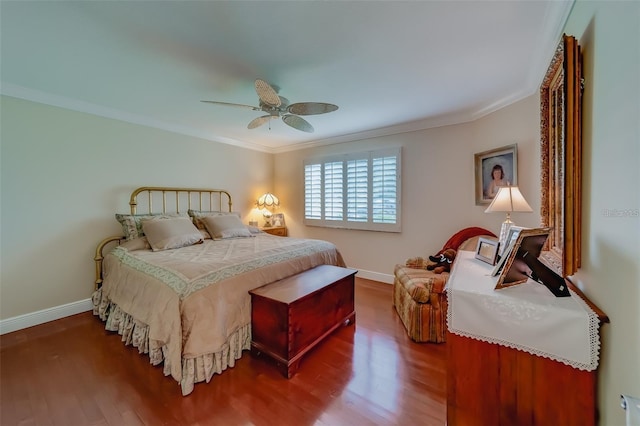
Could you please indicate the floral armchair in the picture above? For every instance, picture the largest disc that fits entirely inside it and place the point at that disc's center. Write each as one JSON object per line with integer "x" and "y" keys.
{"x": 419, "y": 295}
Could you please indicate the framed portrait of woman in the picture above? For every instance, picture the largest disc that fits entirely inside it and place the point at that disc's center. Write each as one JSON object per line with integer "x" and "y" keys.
{"x": 493, "y": 169}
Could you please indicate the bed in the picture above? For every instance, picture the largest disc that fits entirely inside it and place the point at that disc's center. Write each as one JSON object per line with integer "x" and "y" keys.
{"x": 180, "y": 294}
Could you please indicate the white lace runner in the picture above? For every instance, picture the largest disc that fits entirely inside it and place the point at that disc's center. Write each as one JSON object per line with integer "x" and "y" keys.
{"x": 527, "y": 317}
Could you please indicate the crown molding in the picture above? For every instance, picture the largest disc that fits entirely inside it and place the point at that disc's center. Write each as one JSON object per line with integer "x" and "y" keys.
{"x": 20, "y": 92}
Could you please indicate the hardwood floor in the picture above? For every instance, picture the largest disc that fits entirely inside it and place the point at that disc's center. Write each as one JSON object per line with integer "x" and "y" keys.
{"x": 72, "y": 372}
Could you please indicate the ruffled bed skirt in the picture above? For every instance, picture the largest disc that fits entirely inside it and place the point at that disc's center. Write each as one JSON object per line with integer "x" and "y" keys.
{"x": 194, "y": 370}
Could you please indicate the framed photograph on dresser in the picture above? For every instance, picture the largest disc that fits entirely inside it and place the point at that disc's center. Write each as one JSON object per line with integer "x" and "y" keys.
{"x": 277, "y": 220}
{"x": 487, "y": 250}
{"x": 522, "y": 264}
{"x": 528, "y": 243}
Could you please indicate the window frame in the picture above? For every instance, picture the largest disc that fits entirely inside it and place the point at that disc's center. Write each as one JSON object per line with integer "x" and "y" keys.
{"x": 321, "y": 206}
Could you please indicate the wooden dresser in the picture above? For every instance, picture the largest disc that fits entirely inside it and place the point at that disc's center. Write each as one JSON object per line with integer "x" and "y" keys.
{"x": 291, "y": 316}
{"x": 280, "y": 231}
{"x": 496, "y": 384}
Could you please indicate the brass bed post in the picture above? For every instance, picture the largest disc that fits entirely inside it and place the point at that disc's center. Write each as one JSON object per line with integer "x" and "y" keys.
{"x": 99, "y": 257}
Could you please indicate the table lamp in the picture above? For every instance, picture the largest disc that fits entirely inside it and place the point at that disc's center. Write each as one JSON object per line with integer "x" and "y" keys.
{"x": 508, "y": 199}
{"x": 265, "y": 202}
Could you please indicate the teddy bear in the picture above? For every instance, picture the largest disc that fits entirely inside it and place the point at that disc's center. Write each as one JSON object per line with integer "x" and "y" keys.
{"x": 442, "y": 261}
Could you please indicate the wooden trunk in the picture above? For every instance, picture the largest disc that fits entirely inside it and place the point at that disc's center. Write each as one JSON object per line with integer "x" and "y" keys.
{"x": 291, "y": 316}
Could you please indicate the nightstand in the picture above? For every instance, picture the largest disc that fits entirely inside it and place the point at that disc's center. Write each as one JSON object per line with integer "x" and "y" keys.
{"x": 280, "y": 231}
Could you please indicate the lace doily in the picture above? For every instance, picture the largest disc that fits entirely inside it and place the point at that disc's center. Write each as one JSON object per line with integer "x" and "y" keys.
{"x": 526, "y": 317}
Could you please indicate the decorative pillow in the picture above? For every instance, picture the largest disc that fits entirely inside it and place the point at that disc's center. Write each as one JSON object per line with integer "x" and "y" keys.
{"x": 254, "y": 229}
{"x": 165, "y": 234}
{"x": 225, "y": 226}
{"x": 132, "y": 223}
{"x": 198, "y": 215}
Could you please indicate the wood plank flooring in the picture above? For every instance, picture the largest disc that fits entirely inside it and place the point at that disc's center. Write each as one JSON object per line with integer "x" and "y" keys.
{"x": 72, "y": 372}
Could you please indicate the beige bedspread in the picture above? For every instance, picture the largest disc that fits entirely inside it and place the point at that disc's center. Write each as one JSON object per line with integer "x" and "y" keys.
{"x": 190, "y": 307}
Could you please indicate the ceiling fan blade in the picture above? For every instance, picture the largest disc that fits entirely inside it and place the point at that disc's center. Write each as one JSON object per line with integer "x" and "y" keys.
{"x": 233, "y": 105}
{"x": 257, "y": 122}
{"x": 284, "y": 102}
{"x": 298, "y": 123}
{"x": 311, "y": 108}
{"x": 267, "y": 94}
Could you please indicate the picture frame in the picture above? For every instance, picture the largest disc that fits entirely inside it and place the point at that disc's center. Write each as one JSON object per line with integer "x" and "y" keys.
{"x": 504, "y": 159}
{"x": 512, "y": 235}
{"x": 502, "y": 258}
{"x": 487, "y": 250}
{"x": 509, "y": 243}
{"x": 277, "y": 220}
{"x": 528, "y": 243}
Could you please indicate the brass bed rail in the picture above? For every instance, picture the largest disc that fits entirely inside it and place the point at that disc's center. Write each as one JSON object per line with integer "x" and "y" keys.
{"x": 202, "y": 193}
{"x": 99, "y": 257}
{"x": 205, "y": 199}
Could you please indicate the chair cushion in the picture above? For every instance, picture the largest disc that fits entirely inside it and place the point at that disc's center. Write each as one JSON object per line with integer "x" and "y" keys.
{"x": 420, "y": 283}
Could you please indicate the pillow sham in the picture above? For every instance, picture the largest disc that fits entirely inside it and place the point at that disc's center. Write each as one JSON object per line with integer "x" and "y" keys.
{"x": 254, "y": 229}
{"x": 166, "y": 234}
{"x": 198, "y": 215}
{"x": 225, "y": 226}
{"x": 132, "y": 223}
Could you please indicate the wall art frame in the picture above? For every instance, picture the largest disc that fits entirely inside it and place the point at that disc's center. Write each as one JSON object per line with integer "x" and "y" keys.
{"x": 506, "y": 158}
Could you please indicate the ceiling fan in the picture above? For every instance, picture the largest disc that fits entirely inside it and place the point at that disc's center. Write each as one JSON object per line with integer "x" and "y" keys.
{"x": 278, "y": 107}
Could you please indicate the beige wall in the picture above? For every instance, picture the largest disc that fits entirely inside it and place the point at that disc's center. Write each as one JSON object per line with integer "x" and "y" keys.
{"x": 64, "y": 175}
{"x": 609, "y": 33}
{"x": 437, "y": 187}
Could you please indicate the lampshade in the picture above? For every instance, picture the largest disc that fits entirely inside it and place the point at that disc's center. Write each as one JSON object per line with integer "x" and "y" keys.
{"x": 267, "y": 201}
{"x": 508, "y": 199}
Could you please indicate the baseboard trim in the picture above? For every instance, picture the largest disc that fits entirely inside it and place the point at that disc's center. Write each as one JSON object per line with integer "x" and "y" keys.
{"x": 40, "y": 317}
{"x": 375, "y": 276}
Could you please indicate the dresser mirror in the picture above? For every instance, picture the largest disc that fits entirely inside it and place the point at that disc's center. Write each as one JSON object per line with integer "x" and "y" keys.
{"x": 561, "y": 157}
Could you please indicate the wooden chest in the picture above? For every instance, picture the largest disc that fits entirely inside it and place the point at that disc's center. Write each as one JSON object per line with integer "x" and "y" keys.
{"x": 291, "y": 316}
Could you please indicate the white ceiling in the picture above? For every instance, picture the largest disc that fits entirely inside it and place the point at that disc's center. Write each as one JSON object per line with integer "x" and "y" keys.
{"x": 390, "y": 66}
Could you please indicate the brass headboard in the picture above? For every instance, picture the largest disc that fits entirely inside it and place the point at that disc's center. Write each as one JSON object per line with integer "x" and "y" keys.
{"x": 172, "y": 200}
{"x": 206, "y": 199}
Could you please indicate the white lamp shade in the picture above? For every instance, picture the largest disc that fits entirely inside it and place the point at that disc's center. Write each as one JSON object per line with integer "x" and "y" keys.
{"x": 267, "y": 200}
{"x": 509, "y": 199}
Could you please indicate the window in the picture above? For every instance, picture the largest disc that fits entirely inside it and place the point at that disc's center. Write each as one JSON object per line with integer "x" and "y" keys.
{"x": 355, "y": 191}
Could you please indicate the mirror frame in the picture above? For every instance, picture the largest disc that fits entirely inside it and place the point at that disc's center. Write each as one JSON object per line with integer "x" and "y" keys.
{"x": 561, "y": 157}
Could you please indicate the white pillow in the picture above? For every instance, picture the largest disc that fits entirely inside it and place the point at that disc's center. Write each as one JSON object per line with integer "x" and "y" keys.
{"x": 165, "y": 234}
{"x": 254, "y": 229}
{"x": 227, "y": 226}
{"x": 198, "y": 215}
